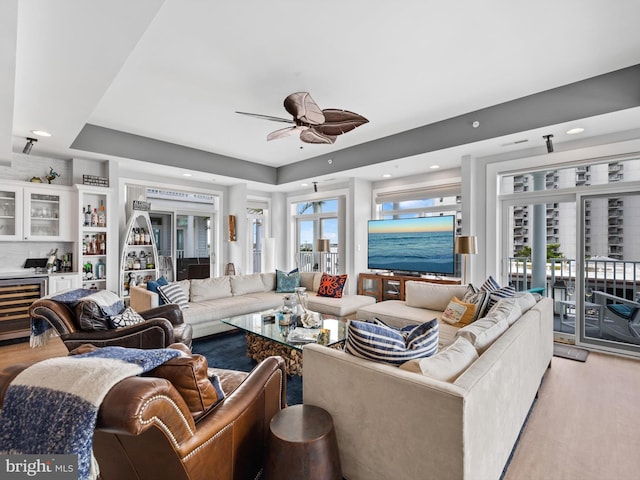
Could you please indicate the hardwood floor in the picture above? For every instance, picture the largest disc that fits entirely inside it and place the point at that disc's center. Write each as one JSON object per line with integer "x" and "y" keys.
{"x": 21, "y": 352}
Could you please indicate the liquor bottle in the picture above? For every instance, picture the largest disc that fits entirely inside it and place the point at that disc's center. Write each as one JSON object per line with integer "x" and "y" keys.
{"x": 136, "y": 237}
{"x": 103, "y": 244}
{"x": 85, "y": 246}
{"x": 102, "y": 215}
{"x": 147, "y": 237}
{"x": 87, "y": 216}
{"x": 100, "y": 269}
{"x": 94, "y": 218}
{"x": 84, "y": 215}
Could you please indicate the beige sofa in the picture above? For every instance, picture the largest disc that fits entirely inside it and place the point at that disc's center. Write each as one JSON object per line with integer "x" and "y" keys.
{"x": 394, "y": 423}
{"x": 212, "y": 299}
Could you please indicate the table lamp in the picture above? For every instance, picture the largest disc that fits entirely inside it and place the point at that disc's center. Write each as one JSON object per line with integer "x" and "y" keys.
{"x": 466, "y": 245}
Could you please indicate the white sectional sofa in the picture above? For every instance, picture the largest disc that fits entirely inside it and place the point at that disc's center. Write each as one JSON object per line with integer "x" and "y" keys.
{"x": 395, "y": 423}
{"x": 213, "y": 299}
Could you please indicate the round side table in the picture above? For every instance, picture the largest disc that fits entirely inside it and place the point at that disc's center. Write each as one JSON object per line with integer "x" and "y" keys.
{"x": 302, "y": 445}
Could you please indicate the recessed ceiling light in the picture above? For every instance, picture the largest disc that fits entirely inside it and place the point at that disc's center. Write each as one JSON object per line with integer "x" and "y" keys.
{"x": 304, "y": 184}
{"x": 41, "y": 133}
{"x": 386, "y": 175}
{"x": 434, "y": 167}
{"x": 573, "y": 131}
{"x": 186, "y": 175}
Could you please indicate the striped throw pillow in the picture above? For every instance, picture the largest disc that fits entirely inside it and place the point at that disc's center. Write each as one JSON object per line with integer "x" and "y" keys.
{"x": 497, "y": 295}
{"x": 490, "y": 285}
{"x": 480, "y": 299}
{"x": 173, "y": 293}
{"x": 381, "y": 343}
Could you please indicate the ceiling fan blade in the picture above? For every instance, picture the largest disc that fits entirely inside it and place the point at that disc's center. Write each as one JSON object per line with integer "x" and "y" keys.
{"x": 303, "y": 108}
{"x": 313, "y": 135}
{"x": 340, "y": 121}
{"x": 267, "y": 117}
{"x": 285, "y": 132}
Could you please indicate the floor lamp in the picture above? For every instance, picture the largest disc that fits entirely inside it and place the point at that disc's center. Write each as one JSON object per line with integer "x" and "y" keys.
{"x": 466, "y": 246}
{"x": 322, "y": 247}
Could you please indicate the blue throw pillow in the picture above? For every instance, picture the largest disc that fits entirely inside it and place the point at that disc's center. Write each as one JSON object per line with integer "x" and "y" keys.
{"x": 287, "y": 282}
{"x": 152, "y": 286}
{"x": 381, "y": 343}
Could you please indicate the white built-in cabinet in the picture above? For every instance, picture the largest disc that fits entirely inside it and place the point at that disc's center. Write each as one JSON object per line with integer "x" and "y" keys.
{"x": 35, "y": 212}
{"x": 58, "y": 283}
{"x": 139, "y": 254}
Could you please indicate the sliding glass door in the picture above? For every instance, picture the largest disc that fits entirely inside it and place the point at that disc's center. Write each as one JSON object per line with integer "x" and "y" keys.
{"x": 610, "y": 273}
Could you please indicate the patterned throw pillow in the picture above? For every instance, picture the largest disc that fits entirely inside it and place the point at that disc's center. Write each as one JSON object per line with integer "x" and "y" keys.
{"x": 173, "y": 293}
{"x": 480, "y": 299}
{"x": 381, "y": 343}
{"x": 287, "y": 282}
{"x": 126, "y": 318}
{"x": 496, "y": 292}
{"x": 459, "y": 312}
{"x": 331, "y": 285}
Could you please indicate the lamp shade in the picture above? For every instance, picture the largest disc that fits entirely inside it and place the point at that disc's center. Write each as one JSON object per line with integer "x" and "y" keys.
{"x": 466, "y": 245}
{"x": 322, "y": 245}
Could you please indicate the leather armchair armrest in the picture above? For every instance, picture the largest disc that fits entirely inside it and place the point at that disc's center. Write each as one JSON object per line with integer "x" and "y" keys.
{"x": 135, "y": 404}
{"x": 57, "y": 314}
{"x": 138, "y": 403}
{"x": 170, "y": 311}
{"x": 153, "y": 333}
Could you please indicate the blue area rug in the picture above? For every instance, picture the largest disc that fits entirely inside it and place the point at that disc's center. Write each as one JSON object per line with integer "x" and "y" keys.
{"x": 229, "y": 350}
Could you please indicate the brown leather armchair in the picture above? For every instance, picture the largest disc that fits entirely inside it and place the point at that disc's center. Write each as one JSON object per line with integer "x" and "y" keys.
{"x": 146, "y": 431}
{"x": 164, "y": 325}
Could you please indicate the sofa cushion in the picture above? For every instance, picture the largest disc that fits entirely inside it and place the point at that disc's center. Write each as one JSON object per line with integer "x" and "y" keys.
{"x": 309, "y": 280}
{"x": 447, "y": 364}
{"x": 269, "y": 281}
{"x": 381, "y": 343}
{"x": 128, "y": 317}
{"x": 432, "y": 296}
{"x": 526, "y": 300}
{"x": 243, "y": 284}
{"x": 340, "y": 307}
{"x": 173, "y": 293}
{"x": 331, "y": 285}
{"x": 459, "y": 313}
{"x": 287, "y": 282}
{"x": 482, "y": 333}
{"x": 210, "y": 288}
{"x": 490, "y": 284}
{"x": 509, "y": 308}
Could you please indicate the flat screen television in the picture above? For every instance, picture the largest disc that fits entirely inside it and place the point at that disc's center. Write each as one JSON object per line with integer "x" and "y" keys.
{"x": 412, "y": 245}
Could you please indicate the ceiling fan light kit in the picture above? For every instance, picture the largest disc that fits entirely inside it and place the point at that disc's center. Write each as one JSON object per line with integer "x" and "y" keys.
{"x": 311, "y": 123}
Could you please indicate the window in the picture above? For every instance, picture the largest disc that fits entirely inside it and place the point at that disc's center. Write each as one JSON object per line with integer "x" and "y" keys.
{"x": 317, "y": 220}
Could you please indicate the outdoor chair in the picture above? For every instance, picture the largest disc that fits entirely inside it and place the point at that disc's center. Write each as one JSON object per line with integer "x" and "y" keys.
{"x": 622, "y": 316}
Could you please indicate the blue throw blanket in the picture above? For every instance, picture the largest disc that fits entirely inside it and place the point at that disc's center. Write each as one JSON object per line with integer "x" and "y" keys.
{"x": 108, "y": 302}
{"x": 52, "y": 406}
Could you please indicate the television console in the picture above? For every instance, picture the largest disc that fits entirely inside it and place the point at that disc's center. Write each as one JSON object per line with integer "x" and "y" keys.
{"x": 391, "y": 287}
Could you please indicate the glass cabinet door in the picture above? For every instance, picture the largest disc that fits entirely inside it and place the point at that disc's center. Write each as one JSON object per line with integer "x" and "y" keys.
{"x": 9, "y": 221}
{"x": 42, "y": 215}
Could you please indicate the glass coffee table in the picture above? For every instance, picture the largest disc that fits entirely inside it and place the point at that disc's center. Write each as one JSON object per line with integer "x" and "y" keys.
{"x": 266, "y": 337}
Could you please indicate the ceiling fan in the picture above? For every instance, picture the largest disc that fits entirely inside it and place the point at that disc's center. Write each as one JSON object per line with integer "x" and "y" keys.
{"x": 313, "y": 124}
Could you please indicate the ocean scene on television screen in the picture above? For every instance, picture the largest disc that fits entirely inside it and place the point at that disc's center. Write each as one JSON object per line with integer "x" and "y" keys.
{"x": 405, "y": 245}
